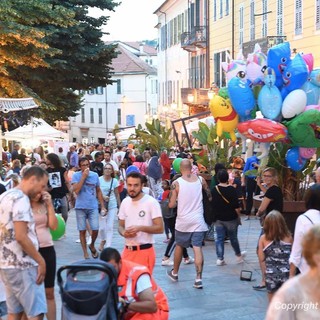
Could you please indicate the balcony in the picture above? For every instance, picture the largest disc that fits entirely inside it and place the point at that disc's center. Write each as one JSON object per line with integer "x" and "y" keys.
{"x": 186, "y": 43}
{"x": 265, "y": 44}
{"x": 199, "y": 36}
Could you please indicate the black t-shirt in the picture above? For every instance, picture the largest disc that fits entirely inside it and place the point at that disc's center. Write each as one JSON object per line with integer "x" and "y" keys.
{"x": 237, "y": 182}
{"x": 2, "y": 188}
{"x": 222, "y": 210}
{"x": 22, "y": 158}
{"x": 97, "y": 167}
{"x": 57, "y": 182}
{"x": 274, "y": 193}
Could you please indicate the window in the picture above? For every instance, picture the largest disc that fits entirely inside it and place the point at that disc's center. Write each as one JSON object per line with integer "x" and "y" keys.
{"x": 219, "y": 76}
{"x": 215, "y": 10}
{"x": 221, "y": 9}
{"x": 91, "y": 115}
{"x": 150, "y": 62}
{"x": 119, "y": 116}
{"x": 100, "y": 115}
{"x": 118, "y": 86}
{"x": 264, "y": 18}
{"x": 241, "y": 26}
{"x": 318, "y": 14}
{"x": 90, "y": 91}
{"x": 252, "y": 21}
{"x": 83, "y": 120}
{"x": 298, "y": 17}
{"x": 227, "y": 7}
{"x": 99, "y": 90}
{"x": 279, "y": 18}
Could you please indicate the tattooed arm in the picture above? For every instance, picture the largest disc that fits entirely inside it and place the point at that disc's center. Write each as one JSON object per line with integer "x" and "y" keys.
{"x": 206, "y": 189}
{"x": 173, "y": 194}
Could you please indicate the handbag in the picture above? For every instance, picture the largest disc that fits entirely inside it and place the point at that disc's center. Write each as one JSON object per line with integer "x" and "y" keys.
{"x": 106, "y": 203}
{"x": 167, "y": 212}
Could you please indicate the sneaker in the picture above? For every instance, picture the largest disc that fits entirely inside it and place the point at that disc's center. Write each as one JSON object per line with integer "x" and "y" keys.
{"x": 198, "y": 284}
{"x": 167, "y": 262}
{"x": 172, "y": 276}
{"x": 240, "y": 259}
{"x": 88, "y": 240}
{"x": 221, "y": 262}
{"x": 188, "y": 260}
{"x": 78, "y": 241}
{"x": 247, "y": 218}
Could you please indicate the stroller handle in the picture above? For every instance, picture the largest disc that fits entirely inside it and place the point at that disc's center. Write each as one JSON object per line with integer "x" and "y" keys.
{"x": 83, "y": 267}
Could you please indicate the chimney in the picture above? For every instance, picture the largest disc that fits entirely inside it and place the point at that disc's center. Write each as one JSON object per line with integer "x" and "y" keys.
{"x": 141, "y": 48}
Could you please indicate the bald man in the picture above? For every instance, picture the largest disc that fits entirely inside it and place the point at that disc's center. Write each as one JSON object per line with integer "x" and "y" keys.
{"x": 190, "y": 229}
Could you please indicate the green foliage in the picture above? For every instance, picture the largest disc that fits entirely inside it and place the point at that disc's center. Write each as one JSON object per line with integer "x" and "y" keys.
{"x": 157, "y": 136}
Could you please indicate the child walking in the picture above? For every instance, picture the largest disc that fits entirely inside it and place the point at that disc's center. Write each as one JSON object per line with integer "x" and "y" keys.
{"x": 274, "y": 249}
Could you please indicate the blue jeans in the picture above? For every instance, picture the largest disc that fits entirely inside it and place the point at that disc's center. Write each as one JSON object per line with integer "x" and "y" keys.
{"x": 231, "y": 229}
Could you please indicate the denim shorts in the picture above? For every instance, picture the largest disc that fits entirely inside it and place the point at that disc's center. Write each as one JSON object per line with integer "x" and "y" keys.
{"x": 93, "y": 218}
{"x": 3, "y": 309}
{"x": 22, "y": 292}
{"x": 185, "y": 239}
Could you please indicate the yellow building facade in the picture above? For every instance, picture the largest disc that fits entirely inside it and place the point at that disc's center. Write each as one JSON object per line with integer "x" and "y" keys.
{"x": 237, "y": 25}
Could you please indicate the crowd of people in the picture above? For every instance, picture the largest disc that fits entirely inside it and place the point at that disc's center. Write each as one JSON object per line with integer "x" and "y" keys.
{"x": 144, "y": 193}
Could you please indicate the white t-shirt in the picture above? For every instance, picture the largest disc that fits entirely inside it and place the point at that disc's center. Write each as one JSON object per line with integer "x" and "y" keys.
{"x": 2, "y": 291}
{"x": 15, "y": 206}
{"x": 140, "y": 212}
{"x": 303, "y": 225}
{"x": 190, "y": 208}
{"x": 113, "y": 163}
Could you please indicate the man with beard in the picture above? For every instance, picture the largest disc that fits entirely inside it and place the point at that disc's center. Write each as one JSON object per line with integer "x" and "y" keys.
{"x": 139, "y": 218}
{"x": 22, "y": 268}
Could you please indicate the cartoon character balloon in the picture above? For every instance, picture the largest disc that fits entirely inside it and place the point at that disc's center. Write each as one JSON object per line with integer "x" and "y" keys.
{"x": 295, "y": 74}
{"x": 277, "y": 59}
{"x": 307, "y": 153}
{"x": 294, "y": 160}
{"x": 304, "y": 129}
{"x": 236, "y": 68}
{"x": 224, "y": 115}
{"x": 256, "y": 64}
{"x": 263, "y": 130}
{"x": 269, "y": 99}
{"x": 241, "y": 97}
{"x": 309, "y": 60}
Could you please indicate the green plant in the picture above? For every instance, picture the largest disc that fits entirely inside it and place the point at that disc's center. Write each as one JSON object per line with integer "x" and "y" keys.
{"x": 155, "y": 136}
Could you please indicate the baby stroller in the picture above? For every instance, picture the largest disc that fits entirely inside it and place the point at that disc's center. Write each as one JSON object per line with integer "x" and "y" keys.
{"x": 89, "y": 291}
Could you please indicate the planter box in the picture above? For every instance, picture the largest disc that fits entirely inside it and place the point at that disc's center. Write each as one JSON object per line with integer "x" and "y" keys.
{"x": 291, "y": 210}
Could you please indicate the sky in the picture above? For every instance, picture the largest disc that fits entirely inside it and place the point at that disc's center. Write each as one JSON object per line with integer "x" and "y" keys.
{"x": 133, "y": 20}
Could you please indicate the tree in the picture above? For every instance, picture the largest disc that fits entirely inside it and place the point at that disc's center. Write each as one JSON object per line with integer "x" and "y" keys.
{"x": 68, "y": 53}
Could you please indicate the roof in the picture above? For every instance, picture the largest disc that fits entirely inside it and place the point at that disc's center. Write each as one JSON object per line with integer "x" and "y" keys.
{"x": 146, "y": 48}
{"x": 127, "y": 62}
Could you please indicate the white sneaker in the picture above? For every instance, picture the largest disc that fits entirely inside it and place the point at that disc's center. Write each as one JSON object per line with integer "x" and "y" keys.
{"x": 89, "y": 240}
{"x": 78, "y": 241}
{"x": 188, "y": 260}
{"x": 221, "y": 262}
{"x": 167, "y": 262}
{"x": 240, "y": 259}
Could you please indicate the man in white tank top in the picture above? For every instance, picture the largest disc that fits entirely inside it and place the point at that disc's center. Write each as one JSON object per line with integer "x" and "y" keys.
{"x": 186, "y": 193}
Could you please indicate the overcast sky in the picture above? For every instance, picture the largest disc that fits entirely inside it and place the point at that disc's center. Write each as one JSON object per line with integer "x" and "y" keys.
{"x": 133, "y": 20}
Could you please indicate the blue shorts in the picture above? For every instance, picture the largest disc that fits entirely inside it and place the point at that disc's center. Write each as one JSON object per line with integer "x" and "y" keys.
{"x": 3, "y": 309}
{"x": 185, "y": 239}
{"x": 93, "y": 218}
{"x": 22, "y": 292}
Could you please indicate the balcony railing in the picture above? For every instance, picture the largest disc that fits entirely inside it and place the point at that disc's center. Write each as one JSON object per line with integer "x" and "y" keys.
{"x": 186, "y": 43}
{"x": 199, "y": 36}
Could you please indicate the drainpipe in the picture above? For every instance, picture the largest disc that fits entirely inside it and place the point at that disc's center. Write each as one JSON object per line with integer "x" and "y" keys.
{"x": 208, "y": 46}
{"x": 165, "y": 58}
{"x": 232, "y": 32}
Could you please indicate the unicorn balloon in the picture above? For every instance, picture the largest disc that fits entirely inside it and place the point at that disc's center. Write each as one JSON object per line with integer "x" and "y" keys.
{"x": 256, "y": 64}
{"x": 235, "y": 67}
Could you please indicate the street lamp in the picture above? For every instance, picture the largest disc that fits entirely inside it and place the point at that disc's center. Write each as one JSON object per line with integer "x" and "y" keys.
{"x": 213, "y": 90}
{"x": 190, "y": 98}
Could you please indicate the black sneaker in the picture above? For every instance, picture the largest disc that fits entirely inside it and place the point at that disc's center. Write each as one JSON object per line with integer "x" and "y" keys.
{"x": 198, "y": 284}
{"x": 173, "y": 277}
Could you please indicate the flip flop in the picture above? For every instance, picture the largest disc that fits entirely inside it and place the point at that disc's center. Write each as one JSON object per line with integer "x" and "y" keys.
{"x": 94, "y": 253}
{"x": 259, "y": 287}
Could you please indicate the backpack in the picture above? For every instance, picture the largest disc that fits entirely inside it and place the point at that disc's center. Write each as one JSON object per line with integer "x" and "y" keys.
{"x": 167, "y": 212}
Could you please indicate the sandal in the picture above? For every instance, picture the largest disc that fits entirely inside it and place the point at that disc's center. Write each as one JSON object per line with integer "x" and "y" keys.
{"x": 102, "y": 244}
{"x": 94, "y": 253}
{"x": 259, "y": 287}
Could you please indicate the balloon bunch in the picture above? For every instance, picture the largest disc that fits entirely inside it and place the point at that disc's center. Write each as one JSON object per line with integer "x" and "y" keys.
{"x": 285, "y": 90}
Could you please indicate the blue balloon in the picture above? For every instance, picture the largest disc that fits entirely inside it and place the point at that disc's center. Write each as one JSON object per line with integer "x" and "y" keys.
{"x": 132, "y": 169}
{"x": 242, "y": 97}
{"x": 270, "y": 102}
{"x": 312, "y": 92}
{"x": 294, "y": 160}
{"x": 277, "y": 58}
{"x": 295, "y": 74}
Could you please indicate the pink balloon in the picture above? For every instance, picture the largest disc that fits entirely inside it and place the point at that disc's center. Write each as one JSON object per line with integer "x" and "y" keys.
{"x": 308, "y": 58}
{"x": 307, "y": 153}
{"x": 312, "y": 107}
